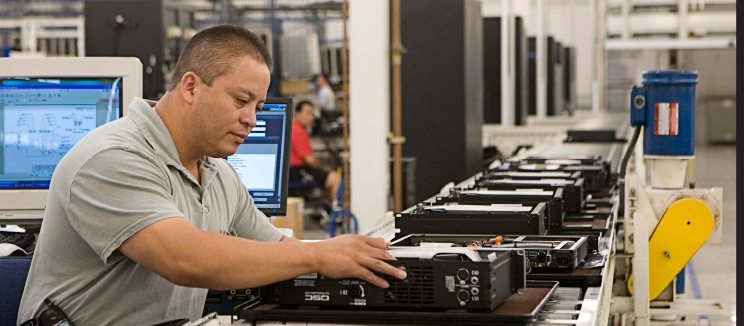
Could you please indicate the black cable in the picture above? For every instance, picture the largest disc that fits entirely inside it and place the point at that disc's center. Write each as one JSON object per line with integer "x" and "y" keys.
{"x": 624, "y": 167}
{"x": 626, "y": 157}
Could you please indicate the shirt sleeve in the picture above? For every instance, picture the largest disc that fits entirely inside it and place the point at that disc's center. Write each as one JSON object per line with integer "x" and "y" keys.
{"x": 115, "y": 194}
{"x": 253, "y": 224}
{"x": 301, "y": 144}
{"x": 249, "y": 222}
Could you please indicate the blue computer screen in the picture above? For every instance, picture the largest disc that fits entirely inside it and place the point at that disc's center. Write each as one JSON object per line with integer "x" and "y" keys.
{"x": 260, "y": 159}
{"x": 42, "y": 118}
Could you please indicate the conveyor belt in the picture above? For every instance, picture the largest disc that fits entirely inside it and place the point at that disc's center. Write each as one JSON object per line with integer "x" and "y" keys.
{"x": 592, "y": 307}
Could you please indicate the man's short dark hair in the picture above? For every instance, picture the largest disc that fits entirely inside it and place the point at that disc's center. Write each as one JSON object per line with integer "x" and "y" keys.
{"x": 212, "y": 52}
{"x": 324, "y": 76}
{"x": 300, "y": 104}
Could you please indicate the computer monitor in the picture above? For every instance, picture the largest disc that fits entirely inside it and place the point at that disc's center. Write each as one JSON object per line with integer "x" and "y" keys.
{"x": 46, "y": 106}
{"x": 262, "y": 161}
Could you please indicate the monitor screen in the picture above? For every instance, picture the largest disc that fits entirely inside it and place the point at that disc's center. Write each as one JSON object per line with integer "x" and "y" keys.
{"x": 262, "y": 161}
{"x": 42, "y": 118}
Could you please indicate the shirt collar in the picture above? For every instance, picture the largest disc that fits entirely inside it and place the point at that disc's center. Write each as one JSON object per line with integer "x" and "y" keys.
{"x": 154, "y": 130}
{"x": 157, "y": 135}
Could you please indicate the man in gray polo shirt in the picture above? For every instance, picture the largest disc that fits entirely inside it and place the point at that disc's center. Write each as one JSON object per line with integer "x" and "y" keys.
{"x": 140, "y": 211}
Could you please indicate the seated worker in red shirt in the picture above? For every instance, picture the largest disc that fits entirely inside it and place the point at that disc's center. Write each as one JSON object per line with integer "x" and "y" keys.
{"x": 302, "y": 158}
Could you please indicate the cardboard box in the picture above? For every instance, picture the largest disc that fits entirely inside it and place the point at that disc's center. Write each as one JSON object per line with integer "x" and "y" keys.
{"x": 295, "y": 218}
{"x": 297, "y": 86}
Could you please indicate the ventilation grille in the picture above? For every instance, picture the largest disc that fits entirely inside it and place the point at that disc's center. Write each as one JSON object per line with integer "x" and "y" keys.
{"x": 416, "y": 289}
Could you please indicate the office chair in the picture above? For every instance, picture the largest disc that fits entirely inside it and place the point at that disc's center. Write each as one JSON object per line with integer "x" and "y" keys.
{"x": 307, "y": 188}
{"x": 13, "y": 274}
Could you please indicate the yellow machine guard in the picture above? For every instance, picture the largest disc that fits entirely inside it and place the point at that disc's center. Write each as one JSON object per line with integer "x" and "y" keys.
{"x": 682, "y": 230}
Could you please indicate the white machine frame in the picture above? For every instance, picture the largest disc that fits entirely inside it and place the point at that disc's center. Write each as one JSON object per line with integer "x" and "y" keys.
{"x": 27, "y": 206}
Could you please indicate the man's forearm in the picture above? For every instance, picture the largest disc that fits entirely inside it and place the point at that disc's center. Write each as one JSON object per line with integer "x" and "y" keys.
{"x": 313, "y": 162}
{"x": 231, "y": 262}
{"x": 179, "y": 252}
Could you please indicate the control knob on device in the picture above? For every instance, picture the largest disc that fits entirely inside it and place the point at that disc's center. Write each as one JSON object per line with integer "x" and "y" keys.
{"x": 463, "y": 296}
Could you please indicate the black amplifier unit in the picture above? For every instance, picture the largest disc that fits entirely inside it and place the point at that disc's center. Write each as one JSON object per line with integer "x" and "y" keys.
{"x": 461, "y": 278}
{"x": 497, "y": 173}
{"x": 567, "y": 160}
{"x": 595, "y": 171}
{"x": 543, "y": 251}
{"x": 473, "y": 219}
{"x": 574, "y": 194}
{"x": 588, "y": 221}
{"x": 476, "y": 196}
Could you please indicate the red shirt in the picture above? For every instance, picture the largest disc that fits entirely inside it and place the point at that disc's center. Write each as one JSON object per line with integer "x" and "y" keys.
{"x": 300, "y": 145}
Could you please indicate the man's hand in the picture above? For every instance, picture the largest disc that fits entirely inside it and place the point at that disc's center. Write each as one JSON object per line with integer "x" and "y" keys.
{"x": 356, "y": 256}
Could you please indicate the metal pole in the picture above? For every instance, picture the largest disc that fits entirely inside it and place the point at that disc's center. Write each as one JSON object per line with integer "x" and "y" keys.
{"x": 541, "y": 62}
{"x": 682, "y": 19}
{"x": 601, "y": 55}
{"x": 345, "y": 82}
{"x": 595, "y": 58}
{"x": 507, "y": 64}
{"x": 396, "y": 58}
{"x": 223, "y": 10}
{"x": 625, "y": 34}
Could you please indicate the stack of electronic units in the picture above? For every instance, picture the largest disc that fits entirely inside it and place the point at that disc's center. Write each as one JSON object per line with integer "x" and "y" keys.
{"x": 509, "y": 199}
{"x": 595, "y": 171}
{"x": 587, "y": 182}
{"x": 474, "y": 248}
{"x": 473, "y": 195}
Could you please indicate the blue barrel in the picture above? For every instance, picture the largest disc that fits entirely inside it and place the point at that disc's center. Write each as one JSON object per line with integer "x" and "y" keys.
{"x": 665, "y": 106}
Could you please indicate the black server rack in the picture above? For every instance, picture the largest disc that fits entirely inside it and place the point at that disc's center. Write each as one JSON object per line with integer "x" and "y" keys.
{"x": 136, "y": 28}
{"x": 520, "y": 53}
{"x": 492, "y": 71}
{"x": 550, "y": 76}
{"x": 531, "y": 75}
{"x": 442, "y": 93}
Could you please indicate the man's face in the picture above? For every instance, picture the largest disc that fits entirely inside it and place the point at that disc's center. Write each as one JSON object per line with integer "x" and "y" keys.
{"x": 305, "y": 117}
{"x": 320, "y": 81}
{"x": 225, "y": 113}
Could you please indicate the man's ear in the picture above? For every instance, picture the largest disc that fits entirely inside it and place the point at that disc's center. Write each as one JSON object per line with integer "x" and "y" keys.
{"x": 188, "y": 86}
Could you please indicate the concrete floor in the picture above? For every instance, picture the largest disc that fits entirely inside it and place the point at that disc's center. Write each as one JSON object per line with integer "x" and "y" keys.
{"x": 714, "y": 267}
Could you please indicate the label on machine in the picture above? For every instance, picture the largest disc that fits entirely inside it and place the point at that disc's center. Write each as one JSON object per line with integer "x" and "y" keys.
{"x": 666, "y": 118}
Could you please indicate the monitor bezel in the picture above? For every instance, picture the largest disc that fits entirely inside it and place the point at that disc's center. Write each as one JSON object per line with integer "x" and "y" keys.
{"x": 26, "y": 206}
{"x": 282, "y": 210}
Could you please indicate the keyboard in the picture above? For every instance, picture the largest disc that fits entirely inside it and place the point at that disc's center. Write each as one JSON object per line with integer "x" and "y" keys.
{"x": 22, "y": 240}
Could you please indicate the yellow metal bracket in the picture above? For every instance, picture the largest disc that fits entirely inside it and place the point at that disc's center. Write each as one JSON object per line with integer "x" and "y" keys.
{"x": 682, "y": 230}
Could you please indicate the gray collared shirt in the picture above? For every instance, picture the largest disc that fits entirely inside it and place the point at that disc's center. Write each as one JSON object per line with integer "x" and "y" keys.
{"x": 118, "y": 179}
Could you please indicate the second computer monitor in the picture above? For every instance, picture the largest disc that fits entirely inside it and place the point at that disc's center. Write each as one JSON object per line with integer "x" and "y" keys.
{"x": 46, "y": 106}
{"x": 262, "y": 161}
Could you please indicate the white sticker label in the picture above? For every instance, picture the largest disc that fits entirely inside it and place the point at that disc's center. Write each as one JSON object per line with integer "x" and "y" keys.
{"x": 666, "y": 118}
{"x": 449, "y": 283}
{"x": 304, "y": 282}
